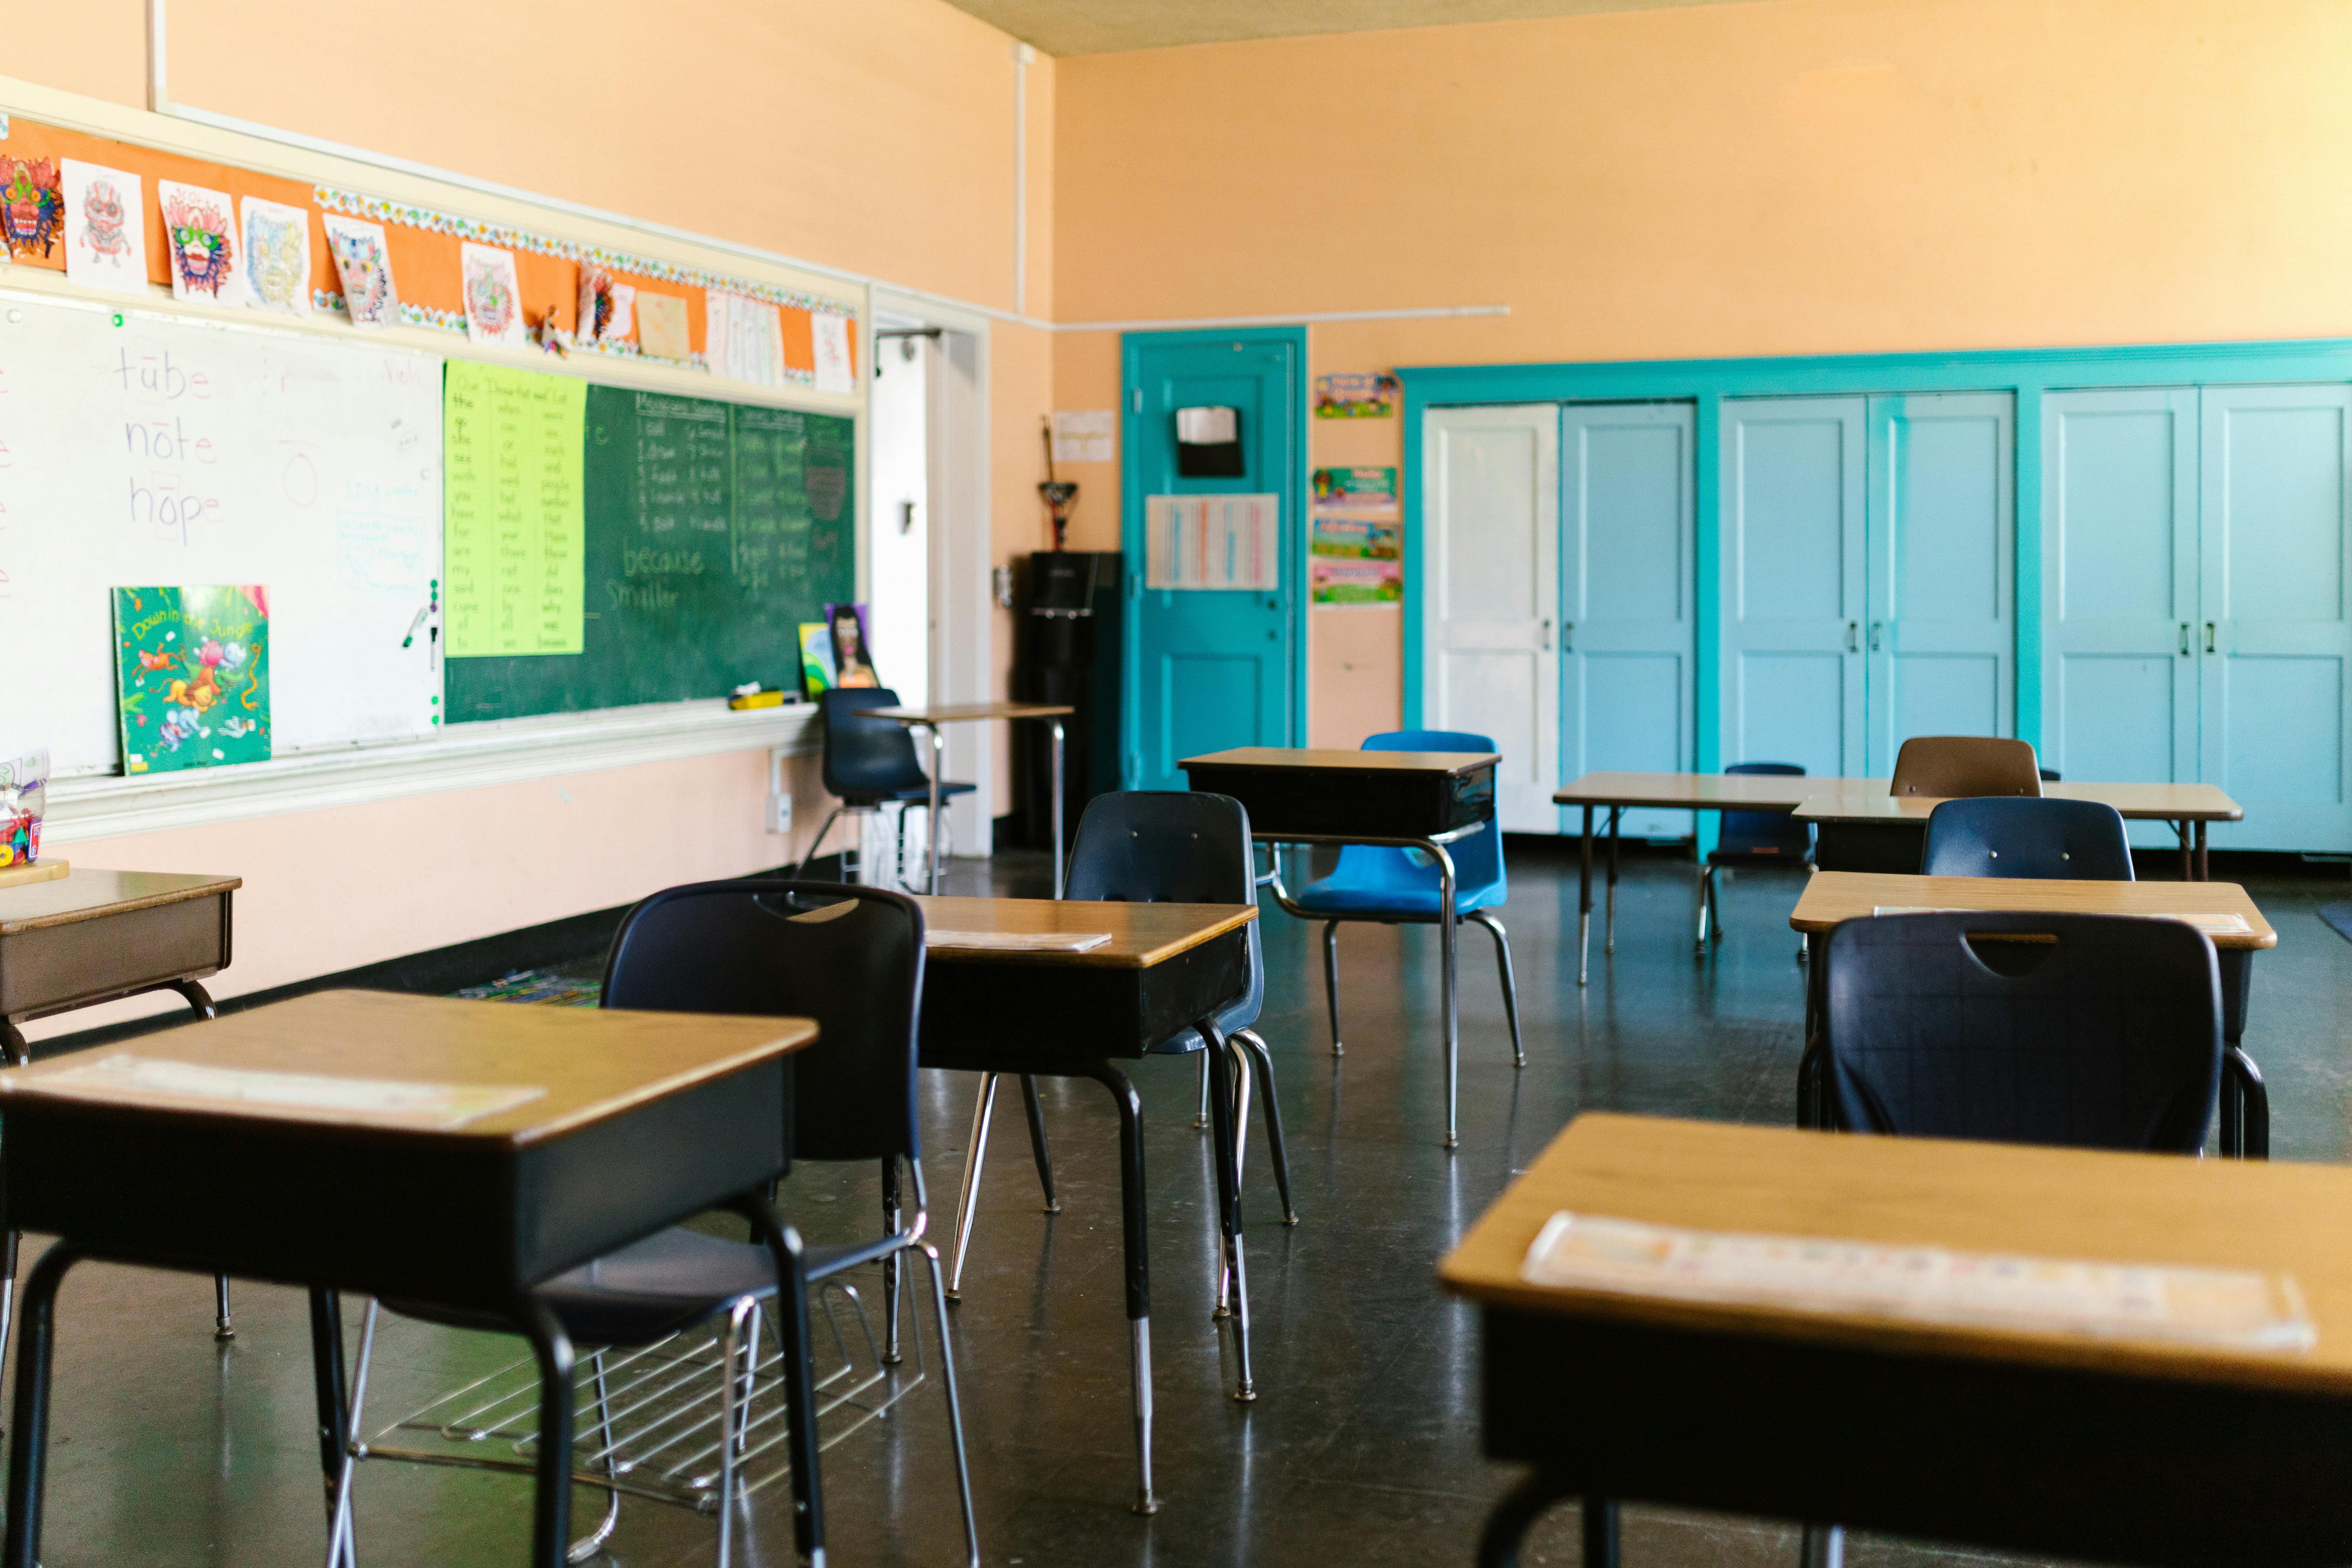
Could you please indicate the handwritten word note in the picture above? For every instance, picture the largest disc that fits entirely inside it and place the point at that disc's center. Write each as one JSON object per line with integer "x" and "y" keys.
{"x": 514, "y": 522}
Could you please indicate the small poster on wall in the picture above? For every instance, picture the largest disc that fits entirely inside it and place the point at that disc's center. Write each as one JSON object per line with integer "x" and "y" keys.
{"x": 106, "y": 227}
{"x": 1368, "y": 582}
{"x": 200, "y": 229}
{"x": 193, "y": 676}
{"x": 1373, "y": 397}
{"x": 1358, "y": 538}
{"x": 1369, "y": 491}
{"x": 1212, "y": 542}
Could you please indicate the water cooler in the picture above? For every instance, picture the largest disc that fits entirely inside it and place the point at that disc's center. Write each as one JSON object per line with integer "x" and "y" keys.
{"x": 1067, "y": 649}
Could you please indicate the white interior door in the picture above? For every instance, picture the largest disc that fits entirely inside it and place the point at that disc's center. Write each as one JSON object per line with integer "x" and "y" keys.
{"x": 1491, "y": 611}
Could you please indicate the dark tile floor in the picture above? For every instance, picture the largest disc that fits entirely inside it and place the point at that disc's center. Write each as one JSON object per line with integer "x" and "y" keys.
{"x": 1362, "y": 1448}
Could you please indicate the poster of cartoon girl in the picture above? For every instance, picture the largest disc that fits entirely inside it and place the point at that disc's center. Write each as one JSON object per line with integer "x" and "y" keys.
{"x": 106, "y": 227}
{"x": 200, "y": 229}
{"x": 853, "y": 655}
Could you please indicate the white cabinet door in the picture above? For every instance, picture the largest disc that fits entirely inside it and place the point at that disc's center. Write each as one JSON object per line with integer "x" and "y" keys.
{"x": 1491, "y": 609}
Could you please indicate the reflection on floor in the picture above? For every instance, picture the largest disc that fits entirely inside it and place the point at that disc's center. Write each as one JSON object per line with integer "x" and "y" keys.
{"x": 1362, "y": 1448}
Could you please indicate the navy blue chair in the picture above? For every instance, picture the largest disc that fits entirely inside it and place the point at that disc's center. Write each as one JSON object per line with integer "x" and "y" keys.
{"x": 1402, "y": 887}
{"x": 851, "y": 959}
{"x": 1751, "y": 838}
{"x": 868, "y": 763}
{"x": 2017, "y": 835}
{"x": 1170, "y": 846}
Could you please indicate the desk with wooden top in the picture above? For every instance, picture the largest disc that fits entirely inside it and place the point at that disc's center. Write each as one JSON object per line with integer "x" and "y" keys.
{"x": 98, "y": 936}
{"x": 933, "y": 716}
{"x": 2122, "y": 1449}
{"x": 2188, "y": 809}
{"x": 633, "y": 1121}
{"x": 1400, "y": 800}
{"x": 1831, "y": 897}
{"x": 1167, "y": 967}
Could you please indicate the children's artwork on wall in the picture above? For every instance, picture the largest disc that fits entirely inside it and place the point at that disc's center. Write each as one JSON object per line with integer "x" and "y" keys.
{"x": 24, "y": 800}
{"x": 853, "y": 655}
{"x": 32, "y": 207}
{"x": 1357, "y": 396}
{"x": 816, "y": 658}
{"x": 193, "y": 676}
{"x": 1358, "y": 538}
{"x": 199, "y": 232}
{"x": 1367, "y": 490}
{"x": 1340, "y": 582}
{"x": 276, "y": 256}
{"x": 745, "y": 338}
{"x": 106, "y": 227}
{"x": 661, "y": 327}
{"x": 604, "y": 307}
{"x": 364, "y": 261}
{"x": 493, "y": 296}
{"x": 830, "y": 336}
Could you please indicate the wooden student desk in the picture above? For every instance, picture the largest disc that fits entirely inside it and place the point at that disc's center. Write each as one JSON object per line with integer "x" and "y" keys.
{"x": 1078, "y": 1015}
{"x": 1402, "y": 800}
{"x": 1848, "y": 818}
{"x": 644, "y": 1119}
{"x": 97, "y": 936}
{"x": 933, "y": 716}
{"x": 2124, "y": 1450}
{"x": 1831, "y": 897}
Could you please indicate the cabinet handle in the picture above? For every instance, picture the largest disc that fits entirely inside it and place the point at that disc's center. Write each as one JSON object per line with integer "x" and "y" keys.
{"x": 2208, "y": 636}
{"x": 1878, "y": 635}
{"x": 1854, "y": 637}
{"x": 2184, "y": 639}
{"x": 1547, "y": 636}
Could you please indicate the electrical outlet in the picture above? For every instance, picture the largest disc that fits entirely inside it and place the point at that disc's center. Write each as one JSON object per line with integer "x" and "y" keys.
{"x": 780, "y": 793}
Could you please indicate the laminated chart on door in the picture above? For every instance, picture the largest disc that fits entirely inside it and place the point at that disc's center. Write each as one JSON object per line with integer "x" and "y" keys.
{"x": 1212, "y": 542}
{"x": 515, "y": 520}
{"x": 137, "y": 449}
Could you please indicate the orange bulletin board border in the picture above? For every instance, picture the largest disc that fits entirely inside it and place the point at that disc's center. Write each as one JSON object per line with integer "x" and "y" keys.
{"x": 426, "y": 244}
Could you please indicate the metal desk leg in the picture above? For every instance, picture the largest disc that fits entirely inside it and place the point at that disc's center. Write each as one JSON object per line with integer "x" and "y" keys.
{"x": 1138, "y": 1267}
{"x": 939, "y": 762}
{"x": 2188, "y": 859}
{"x": 1584, "y": 901}
{"x": 1508, "y": 1522}
{"x": 1446, "y": 951}
{"x": 1057, "y": 807}
{"x": 28, "y": 1446}
{"x": 1609, "y": 926}
{"x": 201, "y": 1001}
{"x": 1229, "y": 1066}
{"x": 784, "y": 1244}
{"x": 334, "y": 1417}
{"x": 550, "y": 1511}
{"x": 2204, "y": 869}
{"x": 968, "y": 1200}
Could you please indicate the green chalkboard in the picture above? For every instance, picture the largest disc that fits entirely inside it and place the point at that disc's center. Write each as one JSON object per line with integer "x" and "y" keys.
{"x": 713, "y": 530}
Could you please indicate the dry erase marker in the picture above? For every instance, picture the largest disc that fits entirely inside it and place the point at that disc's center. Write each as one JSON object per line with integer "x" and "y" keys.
{"x": 412, "y": 628}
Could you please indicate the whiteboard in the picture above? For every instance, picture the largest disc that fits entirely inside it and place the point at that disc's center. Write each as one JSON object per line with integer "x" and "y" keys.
{"x": 167, "y": 452}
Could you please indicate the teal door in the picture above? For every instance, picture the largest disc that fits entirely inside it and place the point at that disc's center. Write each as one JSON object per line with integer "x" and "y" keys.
{"x": 1214, "y": 559}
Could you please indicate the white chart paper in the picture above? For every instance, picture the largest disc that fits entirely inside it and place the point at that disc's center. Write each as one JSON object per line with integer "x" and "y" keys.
{"x": 1212, "y": 542}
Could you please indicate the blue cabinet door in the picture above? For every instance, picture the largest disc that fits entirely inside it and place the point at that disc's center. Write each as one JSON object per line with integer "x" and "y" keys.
{"x": 2119, "y": 585}
{"x": 1942, "y": 637}
{"x": 1212, "y": 667}
{"x": 1793, "y": 483}
{"x": 2273, "y": 637}
{"x": 1628, "y": 641}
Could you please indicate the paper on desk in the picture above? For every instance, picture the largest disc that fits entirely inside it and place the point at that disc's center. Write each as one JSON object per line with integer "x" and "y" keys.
{"x": 2211, "y": 923}
{"x": 2240, "y": 1309}
{"x": 1019, "y": 940}
{"x": 300, "y": 1096}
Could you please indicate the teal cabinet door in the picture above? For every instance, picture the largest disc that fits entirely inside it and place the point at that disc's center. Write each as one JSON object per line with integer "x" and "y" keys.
{"x": 1212, "y": 667}
{"x": 1794, "y": 477}
{"x": 1942, "y": 637}
{"x": 1628, "y": 632}
{"x": 2119, "y": 588}
{"x": 2273, "y": 640}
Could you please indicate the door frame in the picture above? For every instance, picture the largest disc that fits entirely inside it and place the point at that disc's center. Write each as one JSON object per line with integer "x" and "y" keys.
{"x": 1293, "y": 493}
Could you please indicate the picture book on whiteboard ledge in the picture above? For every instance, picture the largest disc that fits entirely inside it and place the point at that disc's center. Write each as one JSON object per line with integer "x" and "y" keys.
{"x": 192, "y": 675}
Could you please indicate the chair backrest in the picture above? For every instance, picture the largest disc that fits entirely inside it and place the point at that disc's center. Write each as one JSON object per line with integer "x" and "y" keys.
{"x": 849, "y": 957}
{"x": 1477, "y": 859}
{"x": 864, "y": 756}
{"x": 1957, "y": 765}
{"x": 1764, "y": 833}
{"x": 1168, "y": 847}
{"x": 2005, "y": 837}
{"x": 2097, "y": 1031}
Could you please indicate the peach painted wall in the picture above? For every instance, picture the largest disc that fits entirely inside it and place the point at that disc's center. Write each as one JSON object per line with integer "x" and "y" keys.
{"x": 1784, "y": 177}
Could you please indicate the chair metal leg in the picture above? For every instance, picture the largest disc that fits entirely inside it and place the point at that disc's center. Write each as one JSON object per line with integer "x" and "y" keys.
{"x": 342, "y": 1543}
{"x": 1823, "y": 1546}
{"x": 1447, "y": 888}
{"x": 967, "y": 1199}
{"x": 1331, "y": 981}
{"x": 1201, "y": 1116}
{"x": 1229, "y": 1206}
{"x": 1600, "y": 1532}
{"x": 815, "y": 844}
{"x": 1706, "y": 906}
{"x": 2248, "y": 1105}
{"x": 1511, "y": 981}
{"x": 1256, "y": 1044}
{"x": 955, "y": 1410}
{"x": 1508, "y": 1522}
{"x": 224, "y": 1329}
{"x": 893, "y": 1267}
{"x": 733, "y": 1345}
{"x": 1234, "y": 1085}
{"x": 1609, "y": 925}
{"x": 1039, "y": 1149}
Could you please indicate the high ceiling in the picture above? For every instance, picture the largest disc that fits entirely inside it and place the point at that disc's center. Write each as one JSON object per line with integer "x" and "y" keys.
{"x": 1109, "y": 26}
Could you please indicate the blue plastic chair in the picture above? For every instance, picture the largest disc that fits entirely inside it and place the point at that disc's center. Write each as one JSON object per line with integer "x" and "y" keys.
{"x": 1401, "y": 887}
{"x": 868, "y": 763}
{"x": 2014, "y": 835}
{"x": 1751, "y": 838}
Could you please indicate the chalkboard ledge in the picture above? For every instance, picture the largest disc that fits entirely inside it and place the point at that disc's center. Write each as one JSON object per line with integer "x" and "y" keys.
{"x": 467, "y": 756}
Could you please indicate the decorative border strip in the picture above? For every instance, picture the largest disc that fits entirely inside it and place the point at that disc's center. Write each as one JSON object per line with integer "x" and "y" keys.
{"x": 375, "y": 209}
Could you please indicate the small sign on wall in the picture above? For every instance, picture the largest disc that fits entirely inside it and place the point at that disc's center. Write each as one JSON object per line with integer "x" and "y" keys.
{"x": 1373, "y": 397}
{"x": 1212, "y": 542}
{"x": 1085, "y": 436}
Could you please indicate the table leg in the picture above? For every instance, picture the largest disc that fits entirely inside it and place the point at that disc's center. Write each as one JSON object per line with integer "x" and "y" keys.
{"x": 1584, "y": 901}
{"x": 327, "y": 1387}
{"x": 20, "y": 1051}
{"x": 1231, "y": 1090}
{"x": 939, "y": 762}
{"x": 1822, "y": 1546}
{"x": 1600, "y": 1532}
{"x": 2204, "y": 868}
{"x": 28, "y": 1449}
{"x": 800, "y": 1378}
{"x": 1057, "y": 808}
{"x": 1609, "y": 926}
{"x": 1138, "y": 1267}
{"x": 550, "y": 1510}
{"x": 1447, "y": 947}
{"x": 2188, "y": 859}
{"x": 224, "y": 1328}
{"x": 1508, "y": 1521}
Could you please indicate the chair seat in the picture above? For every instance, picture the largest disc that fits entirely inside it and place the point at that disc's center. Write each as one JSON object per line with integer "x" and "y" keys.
{"x": 1344, "y": 898}
{"x": 912, "y": 794}
{"x": 667, "y": 1283}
